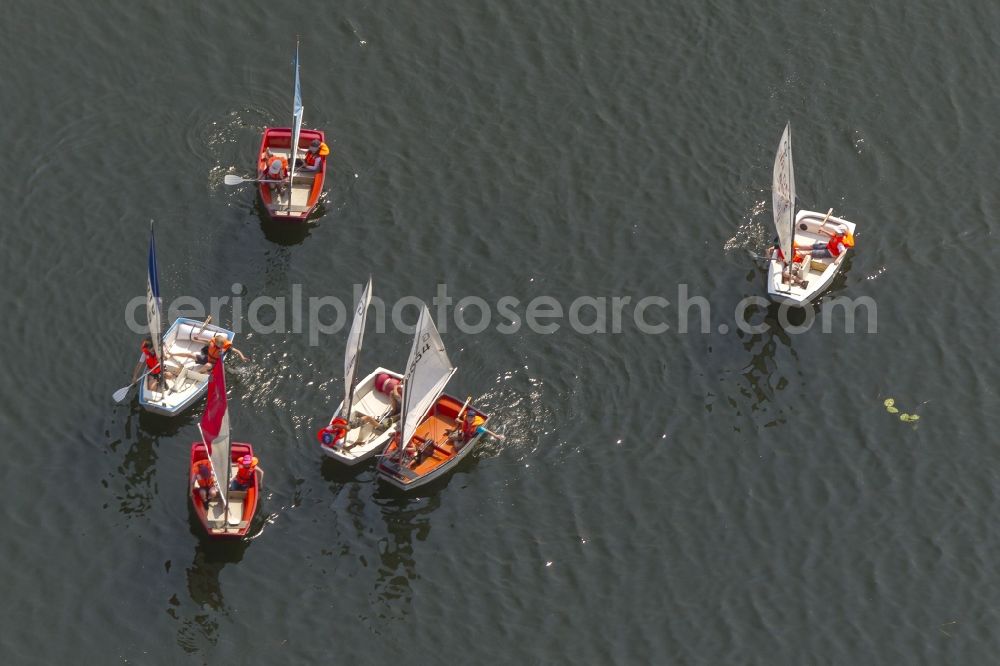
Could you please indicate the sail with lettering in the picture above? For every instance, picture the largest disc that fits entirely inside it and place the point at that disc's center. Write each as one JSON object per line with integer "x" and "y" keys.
{"x": 783, "y": 194}
{"x": 427, "y": 373}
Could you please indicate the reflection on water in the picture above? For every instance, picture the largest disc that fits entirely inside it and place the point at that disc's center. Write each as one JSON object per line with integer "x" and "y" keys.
{"x": 761, "y": 372}
{"x": 285, "y": 233}
{"x": 406, "y": 518}
{"x": 204, "y": 605}
{"x": 762, "y": 376}
{"x": 132, "y": 481}
{"x": 135, "y": 473}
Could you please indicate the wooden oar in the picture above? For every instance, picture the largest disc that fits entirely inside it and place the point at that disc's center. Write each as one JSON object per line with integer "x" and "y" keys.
{"x": 458, "y": 417}
{"x": 823, "y": 224}
{"x": 203, "y": 327}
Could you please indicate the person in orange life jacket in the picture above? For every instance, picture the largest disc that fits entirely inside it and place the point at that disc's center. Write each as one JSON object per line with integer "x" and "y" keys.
{"x": 792, "y": 273}
{"x": 840, "y": 241}
{"x": 150, "y": 361}
{"x": 313, "y": 160}
{"x": 409, "y": 451}
{"x": 275, "y": 167}
{"x": 470, "y": 427}
{"x": 216, "y": 348}
{"x": 245, "y": 471}
{"x": 205, "y": 484}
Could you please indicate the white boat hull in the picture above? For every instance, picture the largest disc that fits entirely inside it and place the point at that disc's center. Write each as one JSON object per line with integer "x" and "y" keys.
{"x": 820, "y": 273}
{"x": 362, "y": 443}
{"x": 183, "y": 336}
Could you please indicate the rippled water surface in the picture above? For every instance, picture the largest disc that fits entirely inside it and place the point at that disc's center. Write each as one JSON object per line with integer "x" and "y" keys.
{"x": 716, "y": 498}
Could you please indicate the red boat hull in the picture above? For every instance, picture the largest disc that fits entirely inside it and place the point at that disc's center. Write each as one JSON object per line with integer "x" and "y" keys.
{"x": 250, "y": 500}
{"x": 279, "y": 139}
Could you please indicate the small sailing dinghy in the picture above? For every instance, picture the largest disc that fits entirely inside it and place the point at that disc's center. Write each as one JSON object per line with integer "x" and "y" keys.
{"x": 215, "y": 463}
{"x": 807, "y": 274}
{"x": 364, "y": 421}
{"x": 428, "y": 452}
{"x": 299, "y": 196}
{"x": 182, "y": 383}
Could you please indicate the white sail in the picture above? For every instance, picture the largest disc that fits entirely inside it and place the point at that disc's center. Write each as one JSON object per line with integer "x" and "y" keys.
{"x": 154, "y": 304}
{"x": 783, "y": 194}
{"x": 296, "y": 122}
{"x": 221, "y": 454}
{"x": 353, "y": 349}
{"x": 427, "y": 372}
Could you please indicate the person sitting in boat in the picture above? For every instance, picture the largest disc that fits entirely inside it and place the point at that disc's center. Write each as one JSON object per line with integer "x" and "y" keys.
{"x": 471, "y": 426}
{"x": 205, "y": 484}
{"x": 216, "y": 348}
{"x": 335, "y": 434}
{"x": 840, "y": 241}
{"x": 275, "y": 169}
{"x": 150, "y": 360}
{"x": 313, "y": 161}
{"x": 245, "y": 471}
{"x": 793, "y": 272}
{"x": 392, "y": 387}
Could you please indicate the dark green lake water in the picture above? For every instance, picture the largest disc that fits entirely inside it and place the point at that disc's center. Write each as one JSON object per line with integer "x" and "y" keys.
{"x": 718, "y": 498}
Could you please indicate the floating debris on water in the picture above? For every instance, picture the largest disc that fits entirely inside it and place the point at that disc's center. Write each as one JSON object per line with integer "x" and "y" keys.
{"x": 890, "y": 406}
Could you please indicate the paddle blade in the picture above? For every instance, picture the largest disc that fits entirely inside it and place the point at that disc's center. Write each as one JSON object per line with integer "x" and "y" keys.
{"x": 120, "y": 394}
{"x": 233, "y": 179}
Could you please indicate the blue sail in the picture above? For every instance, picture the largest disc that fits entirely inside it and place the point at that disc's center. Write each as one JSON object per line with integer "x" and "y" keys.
{"x": 154, "y": 304}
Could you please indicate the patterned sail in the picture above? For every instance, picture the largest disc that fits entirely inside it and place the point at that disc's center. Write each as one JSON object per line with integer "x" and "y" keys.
{"x": 427, "y": 373}
{"x": 783, "y": 194}
{"x": 154, "y": 304}
{"x": 353, "y": 349}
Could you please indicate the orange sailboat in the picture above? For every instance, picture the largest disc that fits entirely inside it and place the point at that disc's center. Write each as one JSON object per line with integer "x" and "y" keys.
{"x": 436, "y": 430}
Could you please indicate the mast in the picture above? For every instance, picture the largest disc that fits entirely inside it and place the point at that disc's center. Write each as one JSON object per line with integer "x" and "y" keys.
{"x": 154, "y": 304}
{"x": 791, "y": 194}
{"x": 351, "y": 360}
{"x": 296, "y": 124}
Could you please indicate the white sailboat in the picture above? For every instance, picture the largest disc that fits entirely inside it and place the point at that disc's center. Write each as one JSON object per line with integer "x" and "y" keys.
{"x": 362, "y": 401}
{"x": 424, "y": 451}
{"x": 794, "y": 278}
{"x": 182, "y": 385}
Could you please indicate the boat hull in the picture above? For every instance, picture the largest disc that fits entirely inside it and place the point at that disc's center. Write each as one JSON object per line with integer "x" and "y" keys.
{"x": 361, "y": 445}
{"x": 184, "y": 336}
{"x": 443, "y": 457}
{"x": 820, "y": 274}
{"x": 228, "y": 525}
{"x": 306, "y": 187}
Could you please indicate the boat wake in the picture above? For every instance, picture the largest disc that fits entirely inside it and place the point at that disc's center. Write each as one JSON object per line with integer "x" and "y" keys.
{"x": 524, "y": 420}
{"x": 750, "y": 235}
